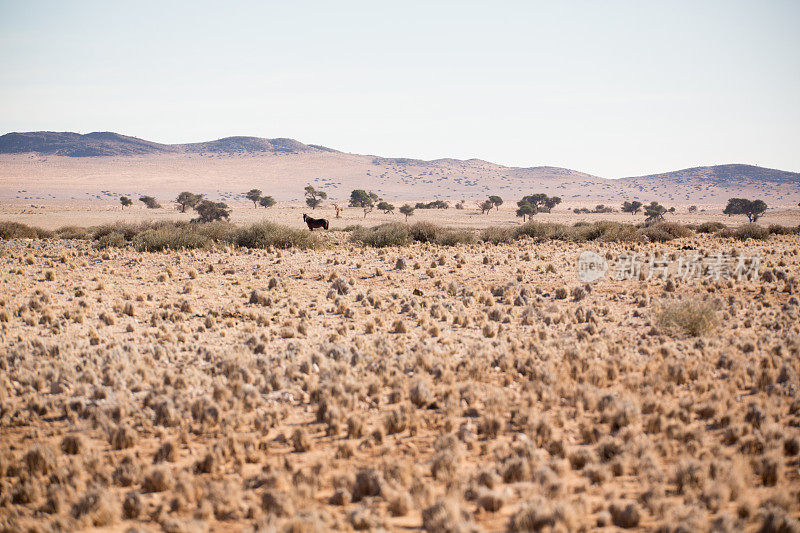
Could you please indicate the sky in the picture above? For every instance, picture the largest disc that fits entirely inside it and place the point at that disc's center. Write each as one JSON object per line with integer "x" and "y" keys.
{"x": 613, "y": 88}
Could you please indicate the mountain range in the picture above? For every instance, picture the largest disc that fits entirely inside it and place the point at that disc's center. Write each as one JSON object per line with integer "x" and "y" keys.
{"x": 73, "y": 165}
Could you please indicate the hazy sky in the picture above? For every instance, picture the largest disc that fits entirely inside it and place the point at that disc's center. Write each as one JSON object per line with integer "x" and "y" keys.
{"x": 613, "y": 88}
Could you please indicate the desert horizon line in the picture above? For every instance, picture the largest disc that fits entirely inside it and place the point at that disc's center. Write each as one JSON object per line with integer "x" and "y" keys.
{"x": 388, "y": 157}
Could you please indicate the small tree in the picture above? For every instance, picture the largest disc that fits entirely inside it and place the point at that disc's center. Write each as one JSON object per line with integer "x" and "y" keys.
{"x": 187, "y": 199}
{"x": 125, "y": 201}
{"x": 496, "y": 201}
{"x": 254, "y": 195}
{"x": 266, "y": 201}
{"x": 693, "y": 209}
{"x": 741, "y": 206}
{"x": 209, "y": 211}
{"x": 654, "y": 211}
{"x": 314, "y": 197}
{"x": 407, "y": 210}
{"x": 631, "y": 207}
{"x": 386, "y": 207}
{"x": 150, "y": 202}
{"x": 541, "y": 202}
{"x": 337, "y": 209}
{"x": 485, "y": 206}
{"x": 525, "y": 209}
{"x": 460, "y": 204}
{"x": 361, "y": 198}
{"x": 552, "y": 201}
{"x": 368, "y": 209}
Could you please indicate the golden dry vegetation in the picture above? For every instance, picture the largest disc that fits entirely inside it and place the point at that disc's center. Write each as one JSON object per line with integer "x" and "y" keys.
{"x": 474, "y": 386}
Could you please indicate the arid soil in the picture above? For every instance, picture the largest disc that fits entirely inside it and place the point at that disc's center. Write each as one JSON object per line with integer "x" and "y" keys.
{"x": 473, "y": 387}
{"x": 35, "y": 179}
{"x": 54, "y": 215}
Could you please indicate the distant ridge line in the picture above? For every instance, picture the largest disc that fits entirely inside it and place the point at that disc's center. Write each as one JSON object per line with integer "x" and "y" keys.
{"x": 109, "y": 144}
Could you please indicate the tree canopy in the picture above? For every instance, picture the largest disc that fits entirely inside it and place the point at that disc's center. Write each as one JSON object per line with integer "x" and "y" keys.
{"x": 254, "y": 195}
{"x": 407, "y": 210}
{"x": 188, "y": 199}
{"x": 654, "y": 211}
{"x": 314, "y": 197}
{"x": 631, "y": 207}
{"x": 150, "y": 202}
{"x": 362, "y": 198}
{"x": 209, "y": 211}
{"x": 742, "y": 206}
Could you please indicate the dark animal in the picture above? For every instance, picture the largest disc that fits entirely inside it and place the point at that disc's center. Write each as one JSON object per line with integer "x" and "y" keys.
{"x": 315, "y": 222}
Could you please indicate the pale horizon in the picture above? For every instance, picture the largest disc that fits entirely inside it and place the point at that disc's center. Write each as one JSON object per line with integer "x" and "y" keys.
{"x": 614, "y": 89}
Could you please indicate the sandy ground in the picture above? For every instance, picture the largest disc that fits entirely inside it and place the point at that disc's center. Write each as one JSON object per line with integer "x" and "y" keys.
{"x": 33, "y": 179}
{"x": 56, "y": 214}
{"x": 475, "y": 387}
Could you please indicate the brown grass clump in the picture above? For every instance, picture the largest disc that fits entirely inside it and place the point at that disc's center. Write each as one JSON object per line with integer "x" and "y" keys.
{"x": 122, "y": 437}
{"x": 275, "y": 503}
{"x": 368, "y": 482}
{"x": 39, "y": 459}
{"x": 625, "y": 516}
{"x": 157, "y": 480}
{"x": 666, "y": 231}
{"x": 15, "y": 230}
{"x": 97, "y": 508}
{"x": 688, "y": 317}
{"x": 300, "y": 441}
{"x": 540, "y": 515}
{"x": 269, "y": 235}
{"x": 420, "y": 394}
{"x": 72, "y": 444}
{"x": 445, "y": 516}
{"x": 385, "y": 235}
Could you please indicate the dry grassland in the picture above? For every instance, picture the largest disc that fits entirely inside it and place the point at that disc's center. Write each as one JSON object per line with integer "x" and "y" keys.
{"x": 450, "y": 388}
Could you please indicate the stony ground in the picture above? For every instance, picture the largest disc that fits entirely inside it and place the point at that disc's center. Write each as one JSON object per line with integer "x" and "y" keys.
{"x": 475, "y": 387}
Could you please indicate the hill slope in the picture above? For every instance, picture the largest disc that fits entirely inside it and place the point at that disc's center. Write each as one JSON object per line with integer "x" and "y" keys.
{"x": 727, "y": 174}
{"x": 107, "y": 144}
{"x": 103, "y": 165}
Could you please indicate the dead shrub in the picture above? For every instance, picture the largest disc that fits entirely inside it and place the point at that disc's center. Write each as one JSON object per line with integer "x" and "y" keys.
{"x": 689, "y": 317}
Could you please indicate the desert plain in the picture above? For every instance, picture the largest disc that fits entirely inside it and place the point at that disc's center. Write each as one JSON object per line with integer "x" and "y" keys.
{"x": 459, "y": 370}
{"x": 472, "y": 382}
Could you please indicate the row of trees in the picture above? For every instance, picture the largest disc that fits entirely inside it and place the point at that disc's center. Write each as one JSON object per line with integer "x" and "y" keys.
{"x": 527, "y": 207}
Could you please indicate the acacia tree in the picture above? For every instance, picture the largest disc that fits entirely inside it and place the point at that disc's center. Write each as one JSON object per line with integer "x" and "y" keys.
{"x": 314, "y": 197}
{"x": 654, "y": 211}
{"x": 525, "y": 209}
{"x": 266, "y": 201}
{"x": 125, "y": 201}
{"x": 386, "y": 207}
{"x": 188, "y": 199}
{"x": 496, "y": 201}
{"x": 741, "y": 206}
{"x": 407, "y": 210}
{"x": 150, "y": 202}
{"x": 362, "y": 198}
{"x": 337, "y": 209}
{"x": 209, "y": 211}
{"x": 631, "y": 207}
{"x": 541, "y": 202}
{"x": 485, "y": 206}
{"x": 254, "y": 195}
